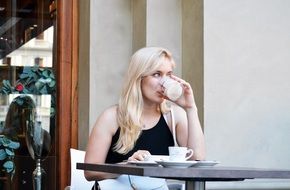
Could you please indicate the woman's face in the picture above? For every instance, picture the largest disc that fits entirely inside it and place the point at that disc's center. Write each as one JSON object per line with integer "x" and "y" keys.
{"x": 150, "y": 85}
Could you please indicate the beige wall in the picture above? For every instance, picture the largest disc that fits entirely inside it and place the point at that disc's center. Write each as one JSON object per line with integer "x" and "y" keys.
{"x": 106, "y": 45}
{"x": 247, "y": 91}
{"x": 110, "y": 48}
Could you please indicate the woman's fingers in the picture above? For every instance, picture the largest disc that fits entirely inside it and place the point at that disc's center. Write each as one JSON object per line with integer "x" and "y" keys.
{"x": 185, "y": 84}
{"x": 140, "y": 155}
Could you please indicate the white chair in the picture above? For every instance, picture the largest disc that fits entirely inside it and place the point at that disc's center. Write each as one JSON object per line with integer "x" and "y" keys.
{"x": 78, "y": 180}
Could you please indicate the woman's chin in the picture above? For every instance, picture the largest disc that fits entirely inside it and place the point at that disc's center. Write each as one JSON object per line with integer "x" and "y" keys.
{"x": 161, "y": 100}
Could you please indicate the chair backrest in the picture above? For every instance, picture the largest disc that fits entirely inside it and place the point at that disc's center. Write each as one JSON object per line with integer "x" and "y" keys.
{"x": 78, "y": 180}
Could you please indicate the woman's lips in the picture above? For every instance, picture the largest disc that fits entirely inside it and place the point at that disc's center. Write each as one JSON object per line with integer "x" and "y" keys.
{"x": 161, "y": 94}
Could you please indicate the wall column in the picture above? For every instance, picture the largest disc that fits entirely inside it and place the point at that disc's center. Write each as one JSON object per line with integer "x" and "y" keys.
{"x": 192, "y": 50}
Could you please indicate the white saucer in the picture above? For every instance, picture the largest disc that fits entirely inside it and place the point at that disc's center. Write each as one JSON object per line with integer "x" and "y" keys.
{"x": 206, "y": 163}
{"x": 177, "y": 164}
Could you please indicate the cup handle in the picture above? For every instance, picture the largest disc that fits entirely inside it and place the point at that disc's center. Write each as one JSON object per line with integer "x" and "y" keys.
{"x": 190, "y": 152}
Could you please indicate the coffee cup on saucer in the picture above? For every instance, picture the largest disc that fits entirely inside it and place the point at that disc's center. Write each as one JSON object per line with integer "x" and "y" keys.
{"x": 179, "y": 154}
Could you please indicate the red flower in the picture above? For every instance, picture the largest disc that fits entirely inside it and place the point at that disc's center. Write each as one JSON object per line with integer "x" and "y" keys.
{"x": 19, "y": 87}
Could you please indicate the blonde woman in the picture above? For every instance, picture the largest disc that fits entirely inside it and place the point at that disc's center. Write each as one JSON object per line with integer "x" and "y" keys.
{"x": 141, "y": 123}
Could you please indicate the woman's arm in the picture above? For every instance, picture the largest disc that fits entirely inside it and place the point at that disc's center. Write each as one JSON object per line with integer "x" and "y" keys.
{"x": 189, "y": 132}
{"x": 188, "y": 129}
{"x": 99, "y": 143}
{"x": 195, "y": 134}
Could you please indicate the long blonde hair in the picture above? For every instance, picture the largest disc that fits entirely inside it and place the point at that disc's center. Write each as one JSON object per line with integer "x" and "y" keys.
{"x": 144, "y": 62}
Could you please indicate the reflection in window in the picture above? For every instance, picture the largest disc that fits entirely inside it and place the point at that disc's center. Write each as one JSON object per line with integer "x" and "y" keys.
{"x": 36, "y": 52}
{"x": 42, "y": 105}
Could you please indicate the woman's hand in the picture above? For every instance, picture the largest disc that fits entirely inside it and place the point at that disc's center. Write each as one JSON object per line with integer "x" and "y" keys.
{"x": 140, "y": 155}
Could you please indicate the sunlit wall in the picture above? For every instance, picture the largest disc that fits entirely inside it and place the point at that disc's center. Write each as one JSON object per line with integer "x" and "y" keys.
{"x": 247, "y": 74}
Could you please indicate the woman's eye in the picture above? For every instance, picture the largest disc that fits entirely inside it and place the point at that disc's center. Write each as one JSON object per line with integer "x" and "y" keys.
{"x": 156, "y": 75}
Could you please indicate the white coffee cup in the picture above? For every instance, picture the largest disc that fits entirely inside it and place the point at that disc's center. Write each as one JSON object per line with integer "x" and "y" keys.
{"x": 179, "y": 154}
{"x": 172, "y": 89}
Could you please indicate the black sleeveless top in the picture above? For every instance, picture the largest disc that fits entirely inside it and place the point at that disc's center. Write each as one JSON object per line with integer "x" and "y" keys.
{"x": 156, "y": 140}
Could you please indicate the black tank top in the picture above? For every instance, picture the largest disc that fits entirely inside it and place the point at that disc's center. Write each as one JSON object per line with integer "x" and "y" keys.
{"x": 156, "y": 140}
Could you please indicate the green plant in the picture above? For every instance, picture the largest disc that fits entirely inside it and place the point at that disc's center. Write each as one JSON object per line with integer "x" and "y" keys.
{"x": 7, "y": 148}
{"x": 33, "y": 80}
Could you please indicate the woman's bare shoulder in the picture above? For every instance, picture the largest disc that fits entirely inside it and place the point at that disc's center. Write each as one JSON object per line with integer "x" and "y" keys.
{"x": 108, "y": 119}
{"x": 110, "y": 112}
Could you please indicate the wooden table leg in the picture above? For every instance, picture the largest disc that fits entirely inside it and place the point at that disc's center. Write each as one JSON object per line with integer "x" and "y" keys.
{"x": 195, "y": 185}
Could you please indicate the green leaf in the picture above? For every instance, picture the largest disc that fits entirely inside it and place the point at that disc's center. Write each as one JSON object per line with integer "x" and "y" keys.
{"x": 33, "y": 78}
{"x": 24, "y": 76}
{"x": 45, "y": 73}
{"x": 51, "y": 75}
{"x": 43, "y": 90}
{"x": 34, "y": 69}
{"x": 30, "y": 80}
{"x": 5, "y": 82}
{"x": 27, "y": 70}
{"x": 7, "y": 88}
{"x": 3, "y": 154}
{"x": 26, "y": 91}
{"x": 52, "y": 111}
{"x": 39, "y": 85}
{"x": 9, "y": 166}
{"x": 1, "y": 140}
{"x": 9, "y": 152}
{"x": 52, "y": 84}
{"x": 14, "y": 145}
{"x": 5, "y": 141}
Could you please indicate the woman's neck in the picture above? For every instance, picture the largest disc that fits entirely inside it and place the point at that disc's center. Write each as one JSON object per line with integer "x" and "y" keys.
{"x": 152, "y": 109}
{"x": 150, "y": 116}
